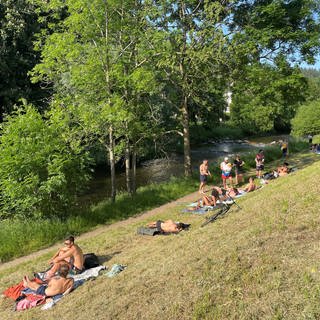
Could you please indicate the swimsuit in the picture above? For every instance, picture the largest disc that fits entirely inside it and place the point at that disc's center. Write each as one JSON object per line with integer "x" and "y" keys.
{"x": 158, "y": 226}
{"x": 41, "y": 290}
{"x": 203, "y": 178}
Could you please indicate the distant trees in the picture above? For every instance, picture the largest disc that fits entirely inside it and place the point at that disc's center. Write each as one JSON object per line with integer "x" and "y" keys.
{"x": 307, "y": 119}
{"x": 18, "y": 28}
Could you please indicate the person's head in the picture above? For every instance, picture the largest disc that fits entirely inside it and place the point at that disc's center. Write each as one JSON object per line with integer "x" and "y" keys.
{"x": 285, "y": 164}
{"x": 205, "y": 161}
{"x": 251, "y": 179}
{"x": 63, "y": 270}
{"x": 69, "y": 241}
{"x": 226, "y": 159}
{"x": 261, "y": 151}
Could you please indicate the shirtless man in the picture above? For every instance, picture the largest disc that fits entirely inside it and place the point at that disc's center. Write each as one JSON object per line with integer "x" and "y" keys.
{"x": 283, "y": 170}
{"x": 56, "y": 285}
{"x": 168, "y": 226}
{"x": 70, "y": 255}
{"x": 250, "y": 186}
{"x": 204, "y": 173}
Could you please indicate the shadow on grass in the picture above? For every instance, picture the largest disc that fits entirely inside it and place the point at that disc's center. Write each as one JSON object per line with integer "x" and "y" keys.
{"x": 106, "y": 258}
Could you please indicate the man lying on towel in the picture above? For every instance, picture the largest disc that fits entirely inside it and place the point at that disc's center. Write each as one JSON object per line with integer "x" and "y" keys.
{"x": 56, "y": 285}
{"x": 168, "y": 226}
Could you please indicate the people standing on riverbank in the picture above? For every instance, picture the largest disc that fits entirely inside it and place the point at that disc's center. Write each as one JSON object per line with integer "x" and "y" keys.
{"x": 259, "y": 163}
{"x": 238, "y": 165}
{"x": 284, "y": 149}
{"x": 204, "y": 173}
{"x": 226, "y": 168}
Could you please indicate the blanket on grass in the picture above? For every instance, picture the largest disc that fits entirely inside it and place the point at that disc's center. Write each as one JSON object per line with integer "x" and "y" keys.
{"x": 27, "y": 298}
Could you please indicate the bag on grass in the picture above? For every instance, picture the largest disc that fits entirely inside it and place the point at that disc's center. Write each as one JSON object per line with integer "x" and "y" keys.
{"x": 90, "y": 261}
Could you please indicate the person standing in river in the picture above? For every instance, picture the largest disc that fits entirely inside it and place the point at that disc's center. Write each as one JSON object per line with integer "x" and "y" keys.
{"x": 204, "y": 173}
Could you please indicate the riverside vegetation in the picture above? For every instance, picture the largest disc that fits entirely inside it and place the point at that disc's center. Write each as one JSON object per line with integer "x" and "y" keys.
{"x": 19, "y": 237}
{"x": 258, "y": 263}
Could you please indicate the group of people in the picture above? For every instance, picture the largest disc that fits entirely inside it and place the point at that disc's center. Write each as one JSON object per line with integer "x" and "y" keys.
{"x": 68, "y": 259}
{"x": 226, "y": 171}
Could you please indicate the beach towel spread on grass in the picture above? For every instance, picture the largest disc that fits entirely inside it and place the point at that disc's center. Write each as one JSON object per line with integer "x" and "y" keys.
{"x": 27, "y": 298}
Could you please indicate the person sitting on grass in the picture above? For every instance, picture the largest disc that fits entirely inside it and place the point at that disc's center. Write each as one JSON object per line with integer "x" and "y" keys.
{"x": 70, "y": 255}
{"x": 56, "y": 285}
{"x": 168, "y": 226}
{"x": 250, "y": 186}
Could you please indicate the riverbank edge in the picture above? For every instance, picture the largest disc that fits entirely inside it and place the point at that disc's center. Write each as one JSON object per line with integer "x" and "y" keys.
{"x": 188, "y": 196}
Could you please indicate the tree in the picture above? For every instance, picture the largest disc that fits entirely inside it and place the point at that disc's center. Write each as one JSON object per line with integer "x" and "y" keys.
{"x": 189, "y": 42}
{"x": 42, "y": 165}
{"x": 94, "y": 58}
{"x": 307, "y": 119}
{"x": 18, "y": 26}
{"x": 267, "y": 97}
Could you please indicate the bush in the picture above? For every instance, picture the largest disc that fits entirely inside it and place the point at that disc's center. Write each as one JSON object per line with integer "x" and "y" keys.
{"x": 41, "y": 166}
{"x": 307, "y": 119}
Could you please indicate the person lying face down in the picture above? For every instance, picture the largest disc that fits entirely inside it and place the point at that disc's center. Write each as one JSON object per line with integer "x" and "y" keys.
{"x": 56, "y": 285}
{"x": 168, "y": 226}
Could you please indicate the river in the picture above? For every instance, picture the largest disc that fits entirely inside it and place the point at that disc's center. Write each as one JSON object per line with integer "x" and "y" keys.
{"x": 160, "y": 170}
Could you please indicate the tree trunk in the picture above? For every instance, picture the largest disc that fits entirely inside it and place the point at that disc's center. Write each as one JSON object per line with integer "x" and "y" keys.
{"x": 186, "y": 137}
{"x": 128, "y": 170}
{"x": 112, "y": 165}
{"x": 134, "y": 170}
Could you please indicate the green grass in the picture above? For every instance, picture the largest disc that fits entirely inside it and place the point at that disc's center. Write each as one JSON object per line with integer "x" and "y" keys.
{"x": 19, "y": 237}
{"x": 261, "y": 262}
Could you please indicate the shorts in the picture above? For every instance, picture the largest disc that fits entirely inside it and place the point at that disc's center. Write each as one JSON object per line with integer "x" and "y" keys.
{"x": 226, "y": 175}
{"x": 284, "y": 151}
{"x": 238, "y": 171}
{"x": 203, "y": 178}
{"x": 260, "y": 167}
{"x": 158, "y": 226}
{"x": 41, "y": 290}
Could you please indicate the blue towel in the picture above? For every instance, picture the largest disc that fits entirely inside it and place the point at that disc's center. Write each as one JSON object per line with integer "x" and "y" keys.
{"x": 116, "y": 268}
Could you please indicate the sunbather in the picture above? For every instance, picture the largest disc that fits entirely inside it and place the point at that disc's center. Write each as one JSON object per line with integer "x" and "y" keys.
{"x": 283, "y": 170}
{"x": 70, "y": 255}
{"x": 56, "y": 285}
{"x": 250, "y": 186}
{"x": 168, "y": 226}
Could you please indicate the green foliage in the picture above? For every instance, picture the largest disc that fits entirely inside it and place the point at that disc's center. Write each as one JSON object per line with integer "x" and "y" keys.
{"x": 42, "y": 167}
{"x": 307, "y": 119}
{"x": 19, "y": 237}
{"x": 18, "y": 26}
{"x": 267, "y": 97}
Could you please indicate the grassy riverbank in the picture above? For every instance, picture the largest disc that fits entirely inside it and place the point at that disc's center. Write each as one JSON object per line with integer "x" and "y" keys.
{"x": 258, "y": 263}
{"x": 20, "y": 237}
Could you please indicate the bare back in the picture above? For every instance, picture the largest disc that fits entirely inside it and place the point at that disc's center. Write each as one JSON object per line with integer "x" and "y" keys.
{"x": 77, "y": 256}
{"x": 58, "y": 285}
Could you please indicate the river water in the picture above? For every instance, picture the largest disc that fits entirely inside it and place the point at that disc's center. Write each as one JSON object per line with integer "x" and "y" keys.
{"x": 160, "y": 170}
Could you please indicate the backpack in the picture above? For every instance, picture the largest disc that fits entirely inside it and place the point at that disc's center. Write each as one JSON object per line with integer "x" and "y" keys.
{"x": 90, "y": 261}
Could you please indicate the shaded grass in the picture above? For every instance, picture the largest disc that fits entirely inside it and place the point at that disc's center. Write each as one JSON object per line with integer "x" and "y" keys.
{"x": 22, "y": 237}
{"x": 258, "y": 263}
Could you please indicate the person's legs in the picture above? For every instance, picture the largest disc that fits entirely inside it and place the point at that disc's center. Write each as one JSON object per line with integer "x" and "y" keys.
{"x": 30, "y": 284}
{"x": 55, "y": 267}
{"x": 224, "y": 182}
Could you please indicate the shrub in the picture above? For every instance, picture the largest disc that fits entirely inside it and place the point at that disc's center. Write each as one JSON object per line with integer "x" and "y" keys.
{"x": 41, "y": 165}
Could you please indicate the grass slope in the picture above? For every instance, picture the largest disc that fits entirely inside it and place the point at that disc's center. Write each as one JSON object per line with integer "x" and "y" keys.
{"x": 258, "y": 263}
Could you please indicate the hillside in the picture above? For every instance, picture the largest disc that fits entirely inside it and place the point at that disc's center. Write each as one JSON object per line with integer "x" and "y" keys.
{"x": 258, "y": 263}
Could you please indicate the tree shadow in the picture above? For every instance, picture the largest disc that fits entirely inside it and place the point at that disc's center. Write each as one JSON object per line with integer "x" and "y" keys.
{"x": 106, "y": 258}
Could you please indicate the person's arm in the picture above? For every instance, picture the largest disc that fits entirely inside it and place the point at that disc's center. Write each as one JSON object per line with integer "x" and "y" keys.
{"x": 54, "y": 256}
{"x": 62, "y": 257}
